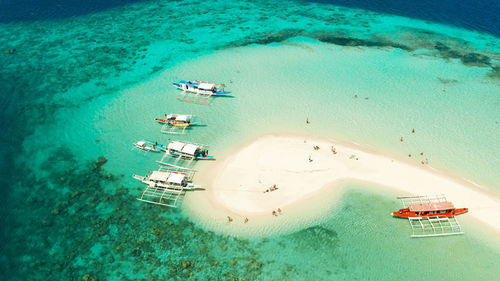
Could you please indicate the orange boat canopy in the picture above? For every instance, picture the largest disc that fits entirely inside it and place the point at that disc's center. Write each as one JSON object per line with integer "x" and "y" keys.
{"x": 437, "y": 206}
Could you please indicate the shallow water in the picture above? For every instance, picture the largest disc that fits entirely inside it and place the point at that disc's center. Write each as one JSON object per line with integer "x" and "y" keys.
{"x": 82, "y": 87}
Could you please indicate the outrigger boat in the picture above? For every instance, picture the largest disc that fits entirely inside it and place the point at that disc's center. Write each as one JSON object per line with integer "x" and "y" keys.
{"x": 199, "y": 91}
{"x": 186, "y": 150}
{"x": 430, "y": 215}
{"x": 164, "y": 187}
{"x": 176, "y": 123}
{"x": 145, "y": 146}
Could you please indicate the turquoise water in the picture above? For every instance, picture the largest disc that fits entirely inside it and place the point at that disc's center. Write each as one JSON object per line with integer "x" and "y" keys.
{"x": 90, "y": 86}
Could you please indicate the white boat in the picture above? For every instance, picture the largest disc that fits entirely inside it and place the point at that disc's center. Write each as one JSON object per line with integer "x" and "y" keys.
{"x": 201, "y": 91}
{"x": 167, "y": 179}
{"x": 188, "y": 151}
{"x": 165, "y": 186}
{"x": 145, "y": 146}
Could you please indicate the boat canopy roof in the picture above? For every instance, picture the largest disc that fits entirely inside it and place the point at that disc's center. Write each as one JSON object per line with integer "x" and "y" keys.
{"x": 176, "y": 178}
{"x": 176, "y": 145}
{"x": 141, "y": 143}
{"x": 159, "y": 176}
{"x": 170, "y": 116}
{"x": 182, "y": 118}
{"x": 206, "y": 86}
{"x": 435, "y": 206}
{"x": 190, "y": 149}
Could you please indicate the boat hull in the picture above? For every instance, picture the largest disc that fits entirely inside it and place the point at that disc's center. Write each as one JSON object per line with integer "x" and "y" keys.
{"x": 198, "y": 157}
{"x": 179, "y": 125}
{"x": 192, "y": 87}
{"x": 405, "y": 213}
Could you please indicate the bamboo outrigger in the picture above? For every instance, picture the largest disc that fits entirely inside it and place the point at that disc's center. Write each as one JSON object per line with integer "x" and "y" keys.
{"x": 430, "y": 215}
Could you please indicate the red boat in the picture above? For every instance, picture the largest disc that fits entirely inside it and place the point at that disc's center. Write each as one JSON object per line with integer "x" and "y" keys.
{"x": 432, "y": 209}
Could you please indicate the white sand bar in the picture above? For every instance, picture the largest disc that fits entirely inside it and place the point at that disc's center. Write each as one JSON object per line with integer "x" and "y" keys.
{"x": 241, "y": 180}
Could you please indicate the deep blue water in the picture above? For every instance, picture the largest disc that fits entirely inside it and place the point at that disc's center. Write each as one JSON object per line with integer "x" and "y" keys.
{"x": 30, "y": 10}
{"x": 481, "y": 15}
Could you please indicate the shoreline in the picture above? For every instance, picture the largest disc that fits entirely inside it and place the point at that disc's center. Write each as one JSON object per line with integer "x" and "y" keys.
{"x": 246, "y": 197}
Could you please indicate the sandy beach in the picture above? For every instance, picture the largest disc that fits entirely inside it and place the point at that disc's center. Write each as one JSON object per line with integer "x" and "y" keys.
{"x": 240, "y": 185}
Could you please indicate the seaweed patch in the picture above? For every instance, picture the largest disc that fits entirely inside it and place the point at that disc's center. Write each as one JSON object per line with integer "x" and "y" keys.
{"x": 447, "y": 81}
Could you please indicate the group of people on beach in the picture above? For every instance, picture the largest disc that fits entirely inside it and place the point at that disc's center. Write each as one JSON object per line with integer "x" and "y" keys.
{"x": 272, "y": 188}
{"x": 334, "y": 151}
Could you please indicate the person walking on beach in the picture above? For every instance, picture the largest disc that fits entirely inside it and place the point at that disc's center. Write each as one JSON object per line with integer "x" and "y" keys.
{"x": 307, "y": 120}
{"x": 310, "y": 160}
{"x": 279, "y": 211}
{"x": 246, "y": 219}
{"x": 274, "y": 213}
{"x": 229, "y": 219}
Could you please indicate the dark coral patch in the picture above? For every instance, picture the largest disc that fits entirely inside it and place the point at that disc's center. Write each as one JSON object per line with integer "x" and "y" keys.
{"x": 336, "y": 38}
{"x": 468, "y": 59}
{"x": 354, "y": 42}
{"x": 268, "y": 38}
{"x": 475, "y": 59}
{"x": 495, "y": 72}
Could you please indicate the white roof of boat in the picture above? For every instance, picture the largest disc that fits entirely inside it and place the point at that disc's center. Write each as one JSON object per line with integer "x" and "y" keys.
{"x": 176, "y": 145}
{"x": 182, "y": 118}
{"x": 190, "y": 149}
{"x": 169, "y": 116}
{"x": 206, "y": 86}
{"x": 176, "y": 178}
{"x": 141, "y": 143}
{"x": 159, "y": 176}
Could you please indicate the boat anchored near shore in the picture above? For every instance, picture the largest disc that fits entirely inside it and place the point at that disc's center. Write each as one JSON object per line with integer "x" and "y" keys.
{"x": 189, "y": 151}
{"x": 145, "y": 146}
{"x": 166, "y": 185}
{"x": 430, "y": 215}
{"x": 177, "y": 123}
{"x": 199, "y": 91}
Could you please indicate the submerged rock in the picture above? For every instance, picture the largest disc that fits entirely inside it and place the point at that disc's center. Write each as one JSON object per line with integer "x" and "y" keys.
{"x": 100, "y": 161}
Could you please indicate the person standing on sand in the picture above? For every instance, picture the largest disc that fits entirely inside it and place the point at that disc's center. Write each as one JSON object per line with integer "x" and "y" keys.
{"x": 229, "y": 219}
{"x": 246, "y": 220}
{"x": 279, "y": 211}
